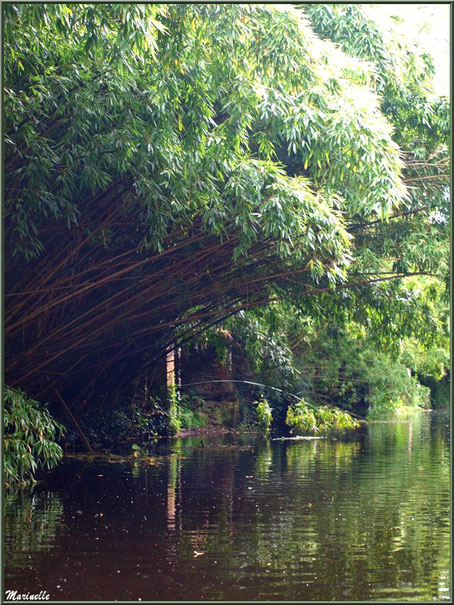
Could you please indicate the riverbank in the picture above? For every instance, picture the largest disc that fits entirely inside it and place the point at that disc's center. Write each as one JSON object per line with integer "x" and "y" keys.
{"x": 215, "y": 431}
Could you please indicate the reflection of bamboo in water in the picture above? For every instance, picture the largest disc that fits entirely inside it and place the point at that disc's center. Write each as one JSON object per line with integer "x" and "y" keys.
{"x": 227, "y": 496}
{"x": 230, "y": 502}
{"x": 174, "y": 477}
{"x": 32, "y": 522}
{"x": 171, "y": 495}
{"x": 199, "y": 540}
{"x": 199, "y": 537}
{"x": 338, "y": 454}
{"x": 264, "y": 459}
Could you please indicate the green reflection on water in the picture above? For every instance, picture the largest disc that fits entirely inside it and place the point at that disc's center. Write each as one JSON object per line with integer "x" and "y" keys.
{"x": 358, "y": 517}
{"x": 363, "y": 519}
{"x": 32, "y": 521}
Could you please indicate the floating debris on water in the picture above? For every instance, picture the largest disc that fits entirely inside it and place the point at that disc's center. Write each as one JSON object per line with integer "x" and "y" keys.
{"x": 298, "y": 438}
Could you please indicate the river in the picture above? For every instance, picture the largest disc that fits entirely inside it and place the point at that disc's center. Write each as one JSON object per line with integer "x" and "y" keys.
{"x": 363, "y": 516}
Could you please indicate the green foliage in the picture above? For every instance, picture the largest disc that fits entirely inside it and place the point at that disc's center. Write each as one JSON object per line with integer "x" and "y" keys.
{"x": 302, "y": 417}
{"x": 174, "y": 424}
{"x": 216, "y": 339}
{"x": 440, "y": 391}
{"x": 433, "y": 362}
{"x": 174, "y": 410}
{"x": 191, "y": 411}
{"x": 146, "y": 92}
{"x": 131, "y": 420}
{"x": 430, "y": 357}
{"x": 261, "y": 336}
{"x": 309, "y": 168}
{"x": 137, "y": 451}
{"x": 358, "y": 359}
{"x": 264, "y": 414}
{"x": 350, "y": 371}
{"x": 393, "y": 390}
{"x": 191, "y": 419}
{"x": 401, "y": 74}
{"x": 30, "y": 433}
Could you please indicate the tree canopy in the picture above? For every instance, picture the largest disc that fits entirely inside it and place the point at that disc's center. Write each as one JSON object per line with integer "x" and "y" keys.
{"x": 170, "y": 165}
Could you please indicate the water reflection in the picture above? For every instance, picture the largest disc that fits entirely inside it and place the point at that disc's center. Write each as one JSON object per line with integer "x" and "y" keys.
{"x": 33, "y": 520}
{"x": 363, "y": 517}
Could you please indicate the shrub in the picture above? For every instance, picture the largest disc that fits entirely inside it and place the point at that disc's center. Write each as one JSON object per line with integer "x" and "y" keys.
{"x": 302, "y": 418}
{"x": 142, "y": 421}
{"x": 264, "y": 414}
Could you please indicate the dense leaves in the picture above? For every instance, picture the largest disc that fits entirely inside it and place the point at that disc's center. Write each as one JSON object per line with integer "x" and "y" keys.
{"x": 30, "y": 435}
{"x": 170, "y": 165}
{"x": 402, "y": 75}
{"x": 301, "y": 418}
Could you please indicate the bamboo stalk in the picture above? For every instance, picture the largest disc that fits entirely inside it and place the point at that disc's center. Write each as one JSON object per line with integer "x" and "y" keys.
{"x": 76, "y": 424}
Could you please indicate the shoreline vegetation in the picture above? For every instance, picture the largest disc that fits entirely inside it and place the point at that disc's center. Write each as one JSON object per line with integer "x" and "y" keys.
{"x": 195, "y": 242}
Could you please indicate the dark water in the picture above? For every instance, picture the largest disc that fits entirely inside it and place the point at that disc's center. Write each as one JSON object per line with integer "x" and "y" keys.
{"x": 364, "y": 517}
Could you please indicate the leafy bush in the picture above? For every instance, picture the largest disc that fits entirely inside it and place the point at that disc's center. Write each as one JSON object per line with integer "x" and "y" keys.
{"x": 30, "y": 432}
{"x": 432, "y": 363}
{"x": 396, "y": 395}
{"x": 391, "y": 387}
{"x": 190, "y": 419}
{"x": 190, "y": 416}
{"x": 264, "y": 414}
{"x": 302, "y": 418}
{"x": 140, "y": 421}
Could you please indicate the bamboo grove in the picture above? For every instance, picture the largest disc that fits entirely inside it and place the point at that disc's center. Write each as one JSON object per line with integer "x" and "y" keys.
{"x": 169, "y": 165}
